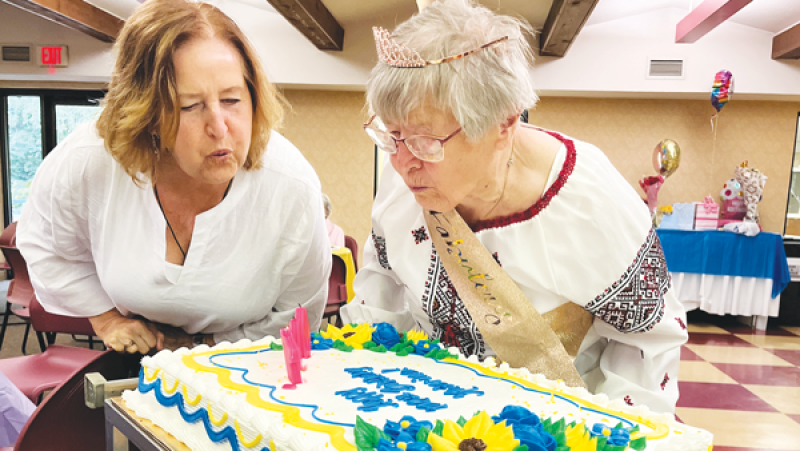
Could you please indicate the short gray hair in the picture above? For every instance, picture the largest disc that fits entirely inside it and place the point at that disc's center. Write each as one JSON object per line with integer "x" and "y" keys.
{"x": 326, "y": 202}
{"x": 481, "y": 90}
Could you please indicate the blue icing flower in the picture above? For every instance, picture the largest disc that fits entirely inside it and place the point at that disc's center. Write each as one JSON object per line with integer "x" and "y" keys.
{"x": 407, "y": 425}
{"x": 385, "y": 334}
{"x": 536, "y": 439}
{"x": 423, "y": 347}
{"x": 318, "y": 342}
{"x": 614, "y": 436}
{"x": 518, "y": 415}
{"x": 527, "y": 428}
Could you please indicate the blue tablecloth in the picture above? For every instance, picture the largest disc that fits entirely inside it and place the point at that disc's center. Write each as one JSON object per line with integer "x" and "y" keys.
{"x": 727, "y": 254}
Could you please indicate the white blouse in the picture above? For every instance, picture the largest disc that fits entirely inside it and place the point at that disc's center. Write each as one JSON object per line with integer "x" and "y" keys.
{"x": 588, "y": 240}
{"x": 94, "y": 241}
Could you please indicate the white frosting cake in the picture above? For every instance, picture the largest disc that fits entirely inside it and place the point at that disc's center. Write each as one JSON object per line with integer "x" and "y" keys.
{"x": 232, "y": 397}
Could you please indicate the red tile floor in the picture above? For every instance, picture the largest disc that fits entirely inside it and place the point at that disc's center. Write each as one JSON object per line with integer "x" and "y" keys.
{"x": 740, "y": 384}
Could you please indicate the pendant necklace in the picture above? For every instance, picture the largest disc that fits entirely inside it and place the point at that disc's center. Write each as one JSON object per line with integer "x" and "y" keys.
{"x": 175, "y": 237}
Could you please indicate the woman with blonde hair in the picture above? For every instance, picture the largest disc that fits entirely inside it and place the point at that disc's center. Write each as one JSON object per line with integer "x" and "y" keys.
{"x": 500, "y": 238}
{"x": 181, "y": 217}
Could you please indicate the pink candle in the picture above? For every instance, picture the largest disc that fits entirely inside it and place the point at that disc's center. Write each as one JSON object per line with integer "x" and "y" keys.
{"x": 305, "y": 339}
{"x": 292, "y": 356}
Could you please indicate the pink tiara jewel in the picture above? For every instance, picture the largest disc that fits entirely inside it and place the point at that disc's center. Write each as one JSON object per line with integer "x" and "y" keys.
{"x": 394, "y": 54}
{"x": 400, "y": 56}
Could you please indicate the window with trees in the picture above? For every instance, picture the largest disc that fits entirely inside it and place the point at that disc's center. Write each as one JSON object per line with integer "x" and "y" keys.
{"x": 33, "y": 123}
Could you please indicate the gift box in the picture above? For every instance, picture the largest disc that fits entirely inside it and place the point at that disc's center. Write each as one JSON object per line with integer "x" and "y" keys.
{"x": 682, "y": 217}
{"x": 733, "y": 210}
{"x": 706, "y": 215}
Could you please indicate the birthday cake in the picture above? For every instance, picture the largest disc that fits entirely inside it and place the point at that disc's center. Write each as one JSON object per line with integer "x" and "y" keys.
{"x": 371, "y": 388}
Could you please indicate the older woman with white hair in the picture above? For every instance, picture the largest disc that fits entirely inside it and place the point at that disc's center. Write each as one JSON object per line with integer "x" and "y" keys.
{"x": 501, "y": 238}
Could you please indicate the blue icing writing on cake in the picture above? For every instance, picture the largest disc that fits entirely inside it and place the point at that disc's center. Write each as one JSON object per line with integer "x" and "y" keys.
{"x": 358, "y": 394}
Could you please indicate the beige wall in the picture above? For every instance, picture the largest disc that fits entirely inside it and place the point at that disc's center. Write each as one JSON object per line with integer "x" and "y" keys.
{"x": 627, "y": 130}
{"x": 326, "y": 127}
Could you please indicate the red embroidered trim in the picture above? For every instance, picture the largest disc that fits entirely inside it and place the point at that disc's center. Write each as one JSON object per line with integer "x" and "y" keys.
{"x": 544, "y": 201}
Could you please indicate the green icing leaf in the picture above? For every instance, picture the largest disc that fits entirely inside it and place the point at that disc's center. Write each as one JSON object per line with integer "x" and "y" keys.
{"x": 397, "y": 347}
{"x": 561, "y": 438}
{"x": 342, "y": 346}
{"x": 422, "y": 434}
{"x": 619, "y": 425}
{"x": 461, "y": 421}
{"x": 369, "y": 345}
{"x": 639, "y": 444}
{"x": 562, "y": 448}
{"x": 439, "y": 428}
{"x": 366, "y": 435}
{"x": 521, "y": 448}
{"x": 635, "y": 428}
{"x": 560, "y": 425}
{"x": 275, "y": 346}
{"x": 379, "y": 348}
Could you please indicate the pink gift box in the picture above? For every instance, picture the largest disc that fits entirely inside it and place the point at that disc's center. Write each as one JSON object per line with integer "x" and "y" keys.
{"x": 706, "y": 216}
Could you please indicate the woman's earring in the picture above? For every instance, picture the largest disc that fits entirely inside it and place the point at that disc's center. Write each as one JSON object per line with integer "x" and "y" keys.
{"x": 156, "y": 145}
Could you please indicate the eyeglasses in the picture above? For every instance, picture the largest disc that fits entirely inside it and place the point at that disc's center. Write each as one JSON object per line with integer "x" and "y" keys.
{"x": 426, "y": 148}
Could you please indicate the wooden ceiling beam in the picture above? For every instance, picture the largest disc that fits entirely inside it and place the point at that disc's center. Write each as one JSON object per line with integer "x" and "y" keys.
{"x": 787, "y": 44}
{"x": 75, "y": 14}
{"x": 564, "y": 22}
{"x": 313, "y": 19}
{"x": 707, "y": 16}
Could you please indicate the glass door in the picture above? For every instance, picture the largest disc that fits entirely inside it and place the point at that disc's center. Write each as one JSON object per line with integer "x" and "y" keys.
{"x": 33, "y": 123}
{"x": 792, "y": 226}
{"x": 24, "y": 115}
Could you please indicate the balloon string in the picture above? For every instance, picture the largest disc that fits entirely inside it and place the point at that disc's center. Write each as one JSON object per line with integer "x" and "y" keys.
{"x": 714, "y": 127}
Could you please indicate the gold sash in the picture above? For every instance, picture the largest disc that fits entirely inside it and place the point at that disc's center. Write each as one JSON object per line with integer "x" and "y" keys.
{"x": 506, "y": 319}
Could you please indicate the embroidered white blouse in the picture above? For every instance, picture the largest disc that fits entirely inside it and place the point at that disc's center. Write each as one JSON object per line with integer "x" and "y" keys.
{"x": 93, "y": 241}
{"x": 588, "y": 240}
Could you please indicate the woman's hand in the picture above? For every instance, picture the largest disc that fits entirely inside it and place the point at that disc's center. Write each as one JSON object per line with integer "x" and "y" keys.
{"x": 171, "y": 337}
{"x": 124, "y": 334}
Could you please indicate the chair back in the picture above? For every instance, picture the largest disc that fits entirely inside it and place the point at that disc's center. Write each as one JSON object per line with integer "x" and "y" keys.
{"x": 62, "y": 421}
{"x": 352, "y": 244}
{"x": 337, "y": 282}
{"x": 20, "y": 291}
{"x": 43, "y": 321}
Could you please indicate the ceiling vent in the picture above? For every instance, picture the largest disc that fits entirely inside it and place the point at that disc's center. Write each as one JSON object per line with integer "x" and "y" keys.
{"x": 16, "y": 53}
{"x": 665, "y": 68}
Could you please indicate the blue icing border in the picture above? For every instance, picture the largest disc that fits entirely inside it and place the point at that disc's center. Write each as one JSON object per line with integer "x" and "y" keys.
{"x": 226, "y": 433}
{"x": 315, "y": 407}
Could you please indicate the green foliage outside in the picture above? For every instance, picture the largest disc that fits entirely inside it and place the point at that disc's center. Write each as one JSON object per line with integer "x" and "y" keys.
{"x": 25, "y": 140}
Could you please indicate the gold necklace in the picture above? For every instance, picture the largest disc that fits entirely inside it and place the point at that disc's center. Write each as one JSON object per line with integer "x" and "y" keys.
{"x": 505, "y": 182}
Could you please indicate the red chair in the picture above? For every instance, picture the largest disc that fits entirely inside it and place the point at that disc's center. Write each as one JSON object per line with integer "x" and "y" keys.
{"x": 20, "y": 290}
{"x": 35, "y": 374}
{"x": 21, "y": 294}
{"x": 337, "y": 290}
{"x": 63, "y": 421}
{"x": 352, "y": 244}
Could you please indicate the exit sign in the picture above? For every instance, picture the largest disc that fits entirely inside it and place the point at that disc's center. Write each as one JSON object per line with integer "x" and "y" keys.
{"x": 53, "y": 56}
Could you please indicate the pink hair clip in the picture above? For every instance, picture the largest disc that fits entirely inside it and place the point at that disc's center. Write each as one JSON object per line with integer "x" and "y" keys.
{"x": 400, "y": 56}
